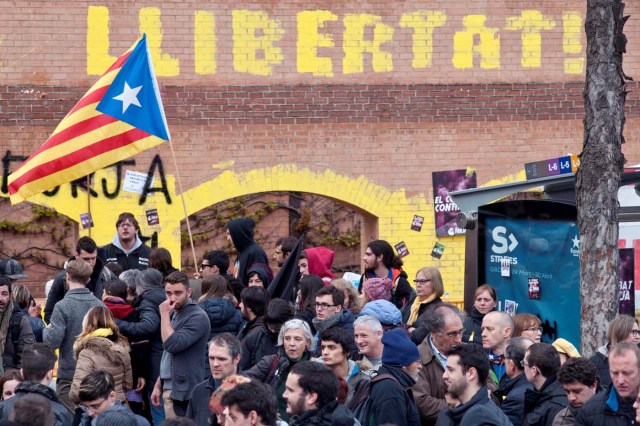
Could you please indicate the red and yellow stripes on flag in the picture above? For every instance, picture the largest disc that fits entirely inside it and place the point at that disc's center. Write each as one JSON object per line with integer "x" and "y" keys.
{"x": 84, "y": 141}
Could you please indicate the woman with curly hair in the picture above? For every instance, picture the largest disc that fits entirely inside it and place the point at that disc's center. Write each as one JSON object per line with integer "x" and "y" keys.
{"x": 100, "y": 346}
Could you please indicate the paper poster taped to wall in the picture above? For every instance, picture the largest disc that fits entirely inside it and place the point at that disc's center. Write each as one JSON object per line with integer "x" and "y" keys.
{"x": 443, "y": 206}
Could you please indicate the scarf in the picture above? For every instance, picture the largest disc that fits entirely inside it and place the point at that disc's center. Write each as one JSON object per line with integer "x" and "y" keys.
{"x": 415, "y": 307}
{"x": 4, "y": 328}
{"x": 322, "y": 325}
{"x": 100, "y": 332}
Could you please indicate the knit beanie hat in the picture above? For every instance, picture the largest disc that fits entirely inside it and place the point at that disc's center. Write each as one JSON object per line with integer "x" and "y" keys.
{"x": 399, "y": 350}
{"x": 116, "y": 417}
{"x": 563, "y": 346}
{"x": 149, "y": 278}
{"x": 378, "y": 288}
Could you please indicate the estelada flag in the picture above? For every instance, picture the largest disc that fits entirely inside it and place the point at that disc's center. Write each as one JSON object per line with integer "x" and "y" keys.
{"x": 120, "y": 116}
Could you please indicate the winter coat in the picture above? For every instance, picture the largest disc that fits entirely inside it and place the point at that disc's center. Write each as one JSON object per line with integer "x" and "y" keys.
{"x": 147, "y": 328}
{"x": 256, "y": 345}
{"x": 386, "y": 312}
{"x": 66, "y": 326}
{"x": 510, "y": 393}
{"x": 249, "y": 252}
{"x": 430, "y": 388}
{"x": 345, "y": 320}
{"x": 420, "y": 332}
{"x": 12, "y": 356}
{"x": 137, "y": 258}
{"x": 308, "y": 315}
{"x": 393, "y": 402}
{"x": 62, "y": 415}
{"x": 249, "y": 326}
{"x": 473, "y": 327}
{"x": 540, "y": 407}
{"x": 99, "y": 276}
{"x": 186, "y": 345}
{"x": 479, "y": 410}
{"x": 331, "y": 414}
{"x": 565, "y": 417}
{"x": 601, "y": 361}
{"x": 101, "y": 353}
{"x": 198, "y": 409}
{"x": 606, "y": 409}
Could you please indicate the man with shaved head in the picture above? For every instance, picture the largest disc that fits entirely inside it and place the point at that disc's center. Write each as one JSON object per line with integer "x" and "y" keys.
{"x": 497, "y": 328}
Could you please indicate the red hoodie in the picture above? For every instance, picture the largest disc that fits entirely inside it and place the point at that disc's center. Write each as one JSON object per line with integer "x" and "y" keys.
{"x": 320, "y": 261}
{"x": 118, "y": 307}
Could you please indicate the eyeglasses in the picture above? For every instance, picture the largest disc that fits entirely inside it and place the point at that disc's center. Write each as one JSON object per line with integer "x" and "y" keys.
{"x": 323, "y": 306}
{"x": 93, "y": 407}
{"x": 421, "y": 282}
{"x": 204, "y": 265}
{"x": 537, "y": 329}
{"x": 636, "y": 333}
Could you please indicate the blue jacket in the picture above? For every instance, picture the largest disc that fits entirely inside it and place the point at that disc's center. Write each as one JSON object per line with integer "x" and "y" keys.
{"x": 186, "y": 346}
{"x": 223, "y": 318}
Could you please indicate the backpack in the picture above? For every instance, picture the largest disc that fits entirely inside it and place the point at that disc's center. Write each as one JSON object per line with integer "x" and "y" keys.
{"x": 360, "y": 403}
{"x": 14, "y": 332}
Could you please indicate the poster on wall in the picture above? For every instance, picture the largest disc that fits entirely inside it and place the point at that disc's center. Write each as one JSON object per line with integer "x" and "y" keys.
{"x": 544, "y": 278}
{"x": 626, "y": 267}
{"x": 444, "y": 208}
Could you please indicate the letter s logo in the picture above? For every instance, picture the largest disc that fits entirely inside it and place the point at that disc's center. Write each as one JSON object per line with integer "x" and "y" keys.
{"x": 501, "y": 244}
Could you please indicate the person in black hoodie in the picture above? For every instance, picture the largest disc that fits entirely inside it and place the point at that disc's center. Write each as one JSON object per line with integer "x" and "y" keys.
{"x": 240, "y": 234}
{"x": 541, "y": 365}
{"x": 126, "y": 249}
{"x": 87, "y": 251}
{"x": 311, "y": 392}
{"x": 484, "y": 301}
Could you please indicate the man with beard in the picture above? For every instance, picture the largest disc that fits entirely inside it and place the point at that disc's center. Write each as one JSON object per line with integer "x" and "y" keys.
{"x": 310, "y": 392}
{"x": 240, "y": 234}
{"x": 380, "y": 262}
{"x": 87, "y": 251}
{"x": 465, "y": 377}
{"x": 579, "y": 378}
{"x": 15, "y": 329}
{"x": 614, "y": 406}
{"x": 126, "y": 249}
{"x": 224, "y": 355}
{"x": 184, "y": 328}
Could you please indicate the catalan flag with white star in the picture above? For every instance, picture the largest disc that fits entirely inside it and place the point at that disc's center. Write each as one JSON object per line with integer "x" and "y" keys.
{"x": 120, "y": 116}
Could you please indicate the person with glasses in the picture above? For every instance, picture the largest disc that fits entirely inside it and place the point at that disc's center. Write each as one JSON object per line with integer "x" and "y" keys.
{"x": 623, "y": 328}
{"x": 294, "y": 344}
{"x": 98, "y": 400}
{"x": 547, "y": 398}
{"x": 126, "y": 249}
{"x": 429, "y": 290}
{"x": 214, "y": 262}
{"x": 38, "y": 361}
{"x": 330, "y": 313}
{"x": 527, "y": 325}
{"x": 510, "y": 394}
{"x": 445, "y": 324}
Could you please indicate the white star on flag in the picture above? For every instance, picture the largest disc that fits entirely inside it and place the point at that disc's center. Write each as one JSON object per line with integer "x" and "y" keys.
{"x": 129, "y": 97}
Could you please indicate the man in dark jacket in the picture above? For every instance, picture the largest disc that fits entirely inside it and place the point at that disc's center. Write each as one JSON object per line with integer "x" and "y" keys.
{"x": 579, "y": 378}
{"x": 330, "y": 313}
{"x": 512, "y": 389}
{"x": 224, "y": 355}
{"x": 240, "y": 234}
{"x": 126, "y": 249}
{"x": 614, "y": 406}
{"x": 184, "y": 328}
{"x": 253, "y": 304}
{"x": 446, "y": 331}
{"x": 38, "y": 361}
{"x": 381, "y": 262}
{"x": 311, "y": 392}
{"x": 465, "y": 376}
{"x": 87, "y": 251}
{"x": 541, "y": 365}
{"x": 392, "y": 400}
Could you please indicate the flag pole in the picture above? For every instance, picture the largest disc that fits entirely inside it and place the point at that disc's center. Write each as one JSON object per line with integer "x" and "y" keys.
{"x": 184, "y": 206}
{"x": 89, "y": 199}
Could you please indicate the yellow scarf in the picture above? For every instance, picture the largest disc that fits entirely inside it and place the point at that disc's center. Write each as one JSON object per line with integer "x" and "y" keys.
{"x": 415, "y": 308}
{"x": 100, "y": 332}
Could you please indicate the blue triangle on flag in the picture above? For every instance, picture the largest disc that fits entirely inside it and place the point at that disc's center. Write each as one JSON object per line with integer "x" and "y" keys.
{"x": 133, "y": 96}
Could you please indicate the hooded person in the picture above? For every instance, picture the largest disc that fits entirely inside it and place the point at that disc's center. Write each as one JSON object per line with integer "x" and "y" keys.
{"x": 259, "y": 274}
{"x": 240, "y": 234}
{"x": 320, "y": 260}
{"x": 126, "y": 248}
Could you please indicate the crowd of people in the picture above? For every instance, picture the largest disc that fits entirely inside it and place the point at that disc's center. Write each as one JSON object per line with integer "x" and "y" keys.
{"x": 140, "y": 342}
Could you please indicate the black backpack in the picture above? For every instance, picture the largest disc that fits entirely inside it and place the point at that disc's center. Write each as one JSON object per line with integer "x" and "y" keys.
{"x": 360, "y": 403}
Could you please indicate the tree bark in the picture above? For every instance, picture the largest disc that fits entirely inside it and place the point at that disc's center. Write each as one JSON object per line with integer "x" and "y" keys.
{"x": 601, "y": 166}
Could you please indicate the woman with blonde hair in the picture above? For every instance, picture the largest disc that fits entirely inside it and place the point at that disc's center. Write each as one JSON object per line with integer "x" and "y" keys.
{"x": 429, "y": 290}
{"x": 100, "y": 346}
{"x": 351, "y": 297}
{"x": 624, "y": 328}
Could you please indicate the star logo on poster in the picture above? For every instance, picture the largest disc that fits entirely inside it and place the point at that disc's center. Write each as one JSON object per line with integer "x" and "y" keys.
{"x": 128, "y": 97}
{"x": 576, "y": 242}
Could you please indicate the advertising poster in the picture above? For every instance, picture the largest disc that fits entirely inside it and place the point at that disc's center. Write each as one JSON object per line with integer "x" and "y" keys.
{"x": 443, "y": 206}
{"x": 544, "y": 271}
{"x": 626, "y": 268}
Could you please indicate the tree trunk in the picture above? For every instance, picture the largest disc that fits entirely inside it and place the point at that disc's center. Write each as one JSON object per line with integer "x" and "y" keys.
{"x": 601, "y": 166}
